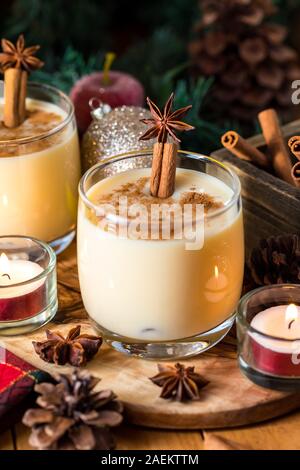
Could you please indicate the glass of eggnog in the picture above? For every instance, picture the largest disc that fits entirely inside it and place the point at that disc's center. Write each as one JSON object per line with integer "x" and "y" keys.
{"x": 40, "y": 169}
{"x": 160, "y": 278}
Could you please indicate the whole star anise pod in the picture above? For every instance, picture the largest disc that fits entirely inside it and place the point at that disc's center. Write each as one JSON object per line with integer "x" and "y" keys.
{"x": 165, "y": 123}
{"x": 75, "y": 349}
{"x": 179, "y": 382}
{"x": 19, "y": 56}
{"x": 71, "y": 415}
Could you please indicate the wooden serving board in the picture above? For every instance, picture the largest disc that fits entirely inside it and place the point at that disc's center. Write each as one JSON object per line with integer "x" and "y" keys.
{"x": 229, "y": 400}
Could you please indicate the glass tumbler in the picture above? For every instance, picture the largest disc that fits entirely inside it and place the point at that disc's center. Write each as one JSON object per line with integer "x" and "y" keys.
{"x": 158, "y": 299}
{"x": 40, "y": 171}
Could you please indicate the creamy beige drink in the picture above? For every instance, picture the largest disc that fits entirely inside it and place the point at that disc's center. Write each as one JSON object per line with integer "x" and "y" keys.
{"x": 39, "y": 173}
{"x": 159, "y": 290}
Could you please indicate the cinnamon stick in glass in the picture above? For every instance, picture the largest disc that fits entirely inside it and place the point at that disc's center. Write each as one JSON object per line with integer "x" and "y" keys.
{"x": 242, "y": 149}
{"x": 277, "y": 149}
{"x": 23, "y": 93}
{"x": 168, "y": 170}
{"x": 296, "y": 174}
{"x": 294, "y": 144}
{"x": 158, "y": 151}
{"x": 12, "y": 80}
{"x": 164, "y": 124}
{"x": 16, "y": 62}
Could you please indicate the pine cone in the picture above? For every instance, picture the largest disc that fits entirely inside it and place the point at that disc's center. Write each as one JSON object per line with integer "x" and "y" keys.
{"x": 275, "y": 261}
{"x": 71, "y": 415}
{"x": 253, "y": 68}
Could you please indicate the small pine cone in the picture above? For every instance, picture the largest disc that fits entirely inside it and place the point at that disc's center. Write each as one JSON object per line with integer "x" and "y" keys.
{"x": 72, "y": 416}
{"x": 275, "y": 261}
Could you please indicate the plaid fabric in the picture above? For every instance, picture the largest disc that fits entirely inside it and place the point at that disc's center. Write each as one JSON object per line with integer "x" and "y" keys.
{"x": 17, "y": 380}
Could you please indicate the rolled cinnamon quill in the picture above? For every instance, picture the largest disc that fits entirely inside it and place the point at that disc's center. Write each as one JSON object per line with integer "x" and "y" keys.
{"x": 237, "y": 145}
{"x": 12, "y": 79}
{"x": 294, "y": 144}
{"x": 158, "y": 152}
{"x": 168, "y": 171}
{"x": 296, "y": 174}
{"x": 164, "y": 123}
{"x": 277, "y": 149}
{"x": 16, "y": 61}
{"x": 23, "y": 93}
{"x": 162, "y": 183}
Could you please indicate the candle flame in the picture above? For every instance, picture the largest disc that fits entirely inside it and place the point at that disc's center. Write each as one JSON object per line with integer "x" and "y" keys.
{"x": 4, "y": 263}
{"x": 216, "y": 272}
{"x": 291, "y": 313}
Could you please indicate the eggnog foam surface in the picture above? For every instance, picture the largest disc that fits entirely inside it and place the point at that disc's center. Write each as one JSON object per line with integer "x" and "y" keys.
{"x": 41, "y": 117}
{"x": 191, "y": 188}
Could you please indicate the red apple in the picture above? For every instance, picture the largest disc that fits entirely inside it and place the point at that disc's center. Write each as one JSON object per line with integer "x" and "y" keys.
{"x": 122, "y": 89}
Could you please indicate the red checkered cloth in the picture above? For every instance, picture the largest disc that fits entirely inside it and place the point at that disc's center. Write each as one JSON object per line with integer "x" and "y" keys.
{"x": 17, "y": 380}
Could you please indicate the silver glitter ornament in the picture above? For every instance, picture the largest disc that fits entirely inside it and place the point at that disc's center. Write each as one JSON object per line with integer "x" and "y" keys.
{"x": 113, "y": 132}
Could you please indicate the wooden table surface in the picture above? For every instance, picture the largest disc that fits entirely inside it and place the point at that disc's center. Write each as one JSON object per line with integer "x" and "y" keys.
{"x": 278, "y": 434}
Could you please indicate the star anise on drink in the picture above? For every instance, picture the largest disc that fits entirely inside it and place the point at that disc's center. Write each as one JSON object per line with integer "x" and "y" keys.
{"x": 179, "y": 382}
{"x": 18, "y": 56}
{"x": 166, "y": 122}
{"x": 75, "y": 349}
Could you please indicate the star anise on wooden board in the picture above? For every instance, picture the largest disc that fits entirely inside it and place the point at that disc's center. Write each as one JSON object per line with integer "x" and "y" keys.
{"x": 75, "y": 349}
{"x": 179, "y": 382}
{"x": 166, "y": 122}
{"x": 19, "y": 56}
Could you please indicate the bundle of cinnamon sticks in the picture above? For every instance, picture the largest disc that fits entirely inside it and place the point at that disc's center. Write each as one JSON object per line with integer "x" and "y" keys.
{"x": 294, "y": 144}
{"x": 277, "y": 157}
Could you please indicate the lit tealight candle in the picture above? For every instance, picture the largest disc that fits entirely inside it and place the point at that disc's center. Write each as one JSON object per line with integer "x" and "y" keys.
{"x": 19, "y": 298}
{"x": 276, "y": 354}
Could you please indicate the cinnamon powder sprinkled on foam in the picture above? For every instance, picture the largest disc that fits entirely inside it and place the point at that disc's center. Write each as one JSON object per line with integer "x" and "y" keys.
{"x": 204, "y": 199}
{"x": 136, "y": 193}
{"x": 38, "y": 122}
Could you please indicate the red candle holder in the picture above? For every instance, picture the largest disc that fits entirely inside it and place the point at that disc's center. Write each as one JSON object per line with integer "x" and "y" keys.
{"x": 28, "y": 290}
{"x": 268, "y": 340}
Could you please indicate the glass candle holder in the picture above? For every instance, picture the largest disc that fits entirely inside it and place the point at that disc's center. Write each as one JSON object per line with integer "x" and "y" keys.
{"x": 40, "y": 169}
{"x": 28, "y": 289}
{"x": 157, "y": 298}
{"x": 268, "y": 327}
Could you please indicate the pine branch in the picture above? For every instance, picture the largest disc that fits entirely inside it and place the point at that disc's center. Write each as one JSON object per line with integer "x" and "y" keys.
{"x": 72, "y": 67}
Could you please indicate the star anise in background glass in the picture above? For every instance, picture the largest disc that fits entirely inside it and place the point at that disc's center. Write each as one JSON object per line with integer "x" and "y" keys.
{"x": 75, "y": 349}
{"x": 18, "y": 56}
{"x": 165, "y": 123}
{"x": 179, "y": 382}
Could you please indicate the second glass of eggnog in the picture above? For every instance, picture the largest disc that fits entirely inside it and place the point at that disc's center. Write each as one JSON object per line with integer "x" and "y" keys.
{"x": 40, "y": 169}
{"x": 152, "y": 292}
